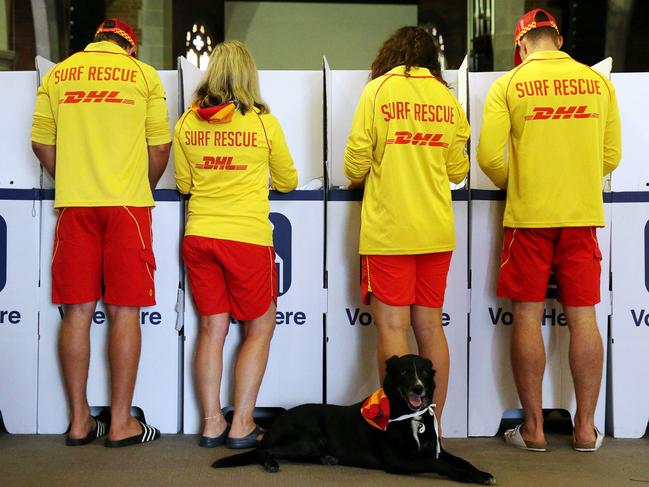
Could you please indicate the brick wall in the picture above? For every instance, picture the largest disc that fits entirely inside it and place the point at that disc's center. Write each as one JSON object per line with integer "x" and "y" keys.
{"x": 153, "y": 23}
{"x": 21, "y": 32}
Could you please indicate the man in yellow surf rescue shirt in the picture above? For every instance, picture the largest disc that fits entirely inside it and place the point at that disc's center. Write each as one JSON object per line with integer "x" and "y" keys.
{"x": 100, "y": 129}
{"x": 563, "y": 126}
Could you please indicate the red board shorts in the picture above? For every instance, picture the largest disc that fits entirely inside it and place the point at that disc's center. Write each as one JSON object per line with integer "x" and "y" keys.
{"x": 226, "y": 276}
{"x": 402, "y": 280}
{"x": 109, "y": 247}
{"x": 529, "y": 254}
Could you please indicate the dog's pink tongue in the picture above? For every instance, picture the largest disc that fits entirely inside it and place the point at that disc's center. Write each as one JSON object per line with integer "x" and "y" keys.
{"x": 415, "y": 400}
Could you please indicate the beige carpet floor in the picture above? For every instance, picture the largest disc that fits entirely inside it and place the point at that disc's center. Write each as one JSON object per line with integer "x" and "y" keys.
{"x": 29, "y": 460}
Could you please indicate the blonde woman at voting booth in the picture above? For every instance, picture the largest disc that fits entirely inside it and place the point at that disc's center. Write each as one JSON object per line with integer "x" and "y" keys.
{"x": 225, "y": 145}
{"x": 407, "y": 143}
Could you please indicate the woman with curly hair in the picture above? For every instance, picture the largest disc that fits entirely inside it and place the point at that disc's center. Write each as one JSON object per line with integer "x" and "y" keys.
{"x": 407, "y": 143}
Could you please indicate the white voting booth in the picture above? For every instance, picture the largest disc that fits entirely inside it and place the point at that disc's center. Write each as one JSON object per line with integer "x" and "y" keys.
{"x": 157, "y": 391}
{"x": 492, "y": 391}
{"x": 481, "y": 386}
{"x": 629, "y": 341}
{"x": 19, "y": 229}
{"x": 294, "y": 372}
{"x": 351, "y": 340}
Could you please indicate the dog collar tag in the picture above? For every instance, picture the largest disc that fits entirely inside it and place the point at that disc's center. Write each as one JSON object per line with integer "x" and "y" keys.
{"x": 421, "y": 428}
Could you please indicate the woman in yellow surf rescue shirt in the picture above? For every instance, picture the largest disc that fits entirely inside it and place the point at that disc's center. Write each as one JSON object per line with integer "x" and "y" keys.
{"x": 406, "y": 143}
{"x": 225, "y": 145}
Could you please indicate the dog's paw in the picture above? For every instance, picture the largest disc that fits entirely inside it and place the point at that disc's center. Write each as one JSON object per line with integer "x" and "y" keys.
{"x": 485, "y": 478}
{"x": 271, "y": 467}
{"x": 329, "y": 460}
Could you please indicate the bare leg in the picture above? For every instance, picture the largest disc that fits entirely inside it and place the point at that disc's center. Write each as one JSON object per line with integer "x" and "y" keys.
{"x": 250, "y": 368}
{"x": 392, "y": 323}
{"x": 431, "y": 342}
{"x": 586, "y": 359}
{"x": 74, "y": 354}
{"x": 208, "y": 363}
{"x": 528, "y": 365}
{"x": 124, "y": 356}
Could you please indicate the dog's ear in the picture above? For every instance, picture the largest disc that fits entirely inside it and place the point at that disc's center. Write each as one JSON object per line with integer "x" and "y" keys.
{"x": 429, "y": 365}
{"x": 389, "y": 363}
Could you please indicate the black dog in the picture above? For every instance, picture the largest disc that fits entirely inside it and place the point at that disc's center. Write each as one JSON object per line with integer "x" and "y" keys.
{"x": 402, "y": 441}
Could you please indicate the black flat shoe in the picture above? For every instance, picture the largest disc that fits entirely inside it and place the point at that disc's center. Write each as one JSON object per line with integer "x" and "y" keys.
{"x": 248, "y": 441}
{"x": 213, "y": 442}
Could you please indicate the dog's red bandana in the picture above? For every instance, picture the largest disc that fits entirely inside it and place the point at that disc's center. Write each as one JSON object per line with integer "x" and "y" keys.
{"x": 376, "y": 410}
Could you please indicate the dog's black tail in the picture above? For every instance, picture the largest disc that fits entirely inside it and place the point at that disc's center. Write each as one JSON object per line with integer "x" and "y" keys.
{"x": 238, "y": 460}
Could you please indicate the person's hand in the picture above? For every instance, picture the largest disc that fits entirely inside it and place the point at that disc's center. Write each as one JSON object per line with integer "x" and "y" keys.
{"x": 357, "y": 185}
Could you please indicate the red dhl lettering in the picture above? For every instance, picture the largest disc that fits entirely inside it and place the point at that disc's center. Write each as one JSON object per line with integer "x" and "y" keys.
{"x": 94, "y": 97}
{"x": 550, "y": 113}
{"x": 220, "y": 163}
{"x": 430, "y": 140}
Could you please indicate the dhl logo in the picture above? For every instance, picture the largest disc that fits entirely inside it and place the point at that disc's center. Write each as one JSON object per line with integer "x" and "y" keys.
{"x": 220, "y": 163}
{"x": 549, "y": 113}
{"x": 94, "y": 97}
{"x": 404, "y": 137}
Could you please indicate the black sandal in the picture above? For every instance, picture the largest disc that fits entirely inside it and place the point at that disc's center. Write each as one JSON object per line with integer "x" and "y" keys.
{"x": 101, "y": 428}
{"x": 149, "y": 433}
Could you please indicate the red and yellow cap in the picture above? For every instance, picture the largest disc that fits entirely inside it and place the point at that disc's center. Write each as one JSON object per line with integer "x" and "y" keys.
{"x": 120, "y": 28}
{"x": 527, "y": 23}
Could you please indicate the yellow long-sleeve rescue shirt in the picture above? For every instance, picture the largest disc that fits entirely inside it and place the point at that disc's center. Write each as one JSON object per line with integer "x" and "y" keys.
{"x": 101, "y": 108}
{"x": 562, "y": 121}
{"x": 222, "y": 159}
{"x": 407, "y": 142}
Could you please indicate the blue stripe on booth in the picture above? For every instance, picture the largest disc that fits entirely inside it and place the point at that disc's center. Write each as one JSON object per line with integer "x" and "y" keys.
{"x": 337, "y": 194}
{"x": 333, "y": 195}
{"x": 488, "y": 195}
{"x": 608, "y": 197}
{"x": 158, "y": 195}
{"x": 629, "y": 197}
{"x": 19, "y": 194}
{"x": 299, "y": 195}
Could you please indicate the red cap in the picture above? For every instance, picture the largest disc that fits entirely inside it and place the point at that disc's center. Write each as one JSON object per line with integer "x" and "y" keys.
{"x": 120, "y": 28}
{"x": 527, "y": 23}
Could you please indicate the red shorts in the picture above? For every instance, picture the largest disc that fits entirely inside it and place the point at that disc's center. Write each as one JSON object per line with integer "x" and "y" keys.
{"x": 402, "y": 280}
{"x": 230, "y": 277}
{"x": 109, "y": 246}
{"x": 529, "y": 254}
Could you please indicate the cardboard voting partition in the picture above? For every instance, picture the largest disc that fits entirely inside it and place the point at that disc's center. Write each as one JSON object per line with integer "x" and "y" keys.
{"x": 19, "y": 229}
{"x": 492, "y": 391}
{"x": 294, "y": 372}
{"x": 324, "y": 345}
{"x": 628, "y": 394}
{"x": 19, "y": 168}
{"x": 632, "y": 90}
{"x": 169, "y": 80}
{"x": 157, "y": 391}
{"x": 629, "y": 341}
